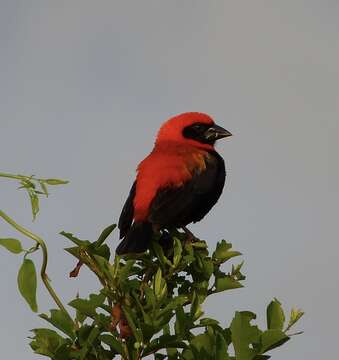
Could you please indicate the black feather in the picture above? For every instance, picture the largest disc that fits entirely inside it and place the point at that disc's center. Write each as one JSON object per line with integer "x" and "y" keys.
{"x": 176, "y": 207}
{"x": 137, "y": 239}
{"x": 126, "y": 216}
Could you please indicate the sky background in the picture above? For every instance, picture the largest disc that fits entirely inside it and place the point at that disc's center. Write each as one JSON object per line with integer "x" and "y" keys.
{"x": 84, "y": 88}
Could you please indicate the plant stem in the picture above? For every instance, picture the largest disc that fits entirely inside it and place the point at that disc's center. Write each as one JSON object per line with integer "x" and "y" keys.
{"x": 43, "y": 246}
{"x": 125, "y": 356}
{"x": 11, "y": 176}
{"x": 17, "y": 177}
{"x": 296, "y": 333}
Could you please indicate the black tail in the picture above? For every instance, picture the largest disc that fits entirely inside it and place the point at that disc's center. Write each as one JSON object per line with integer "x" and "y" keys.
{"x": 136, "y": 240}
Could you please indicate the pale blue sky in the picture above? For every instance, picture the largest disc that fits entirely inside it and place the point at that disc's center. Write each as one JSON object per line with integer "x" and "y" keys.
{"x": 85, "y": 86}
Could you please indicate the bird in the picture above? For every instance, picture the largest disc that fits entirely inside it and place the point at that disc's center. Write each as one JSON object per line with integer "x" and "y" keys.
{"x": 176, "y": 184}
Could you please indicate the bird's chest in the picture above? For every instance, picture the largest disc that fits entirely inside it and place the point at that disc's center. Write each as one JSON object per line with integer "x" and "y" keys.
{"x": 183, "y": 168}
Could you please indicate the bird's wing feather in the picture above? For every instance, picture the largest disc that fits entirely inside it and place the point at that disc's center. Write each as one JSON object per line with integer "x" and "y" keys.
{"x": 126, "y": 216}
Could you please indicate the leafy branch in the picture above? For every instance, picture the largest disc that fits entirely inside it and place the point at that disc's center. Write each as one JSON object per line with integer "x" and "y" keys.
{"x": 148, "y": 304}
{"x": 34, "y": 188}
{"x": 27, "y": 274}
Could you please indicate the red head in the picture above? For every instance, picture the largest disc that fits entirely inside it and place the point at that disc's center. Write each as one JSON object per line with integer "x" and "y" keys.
{"x": 194, "y": 128}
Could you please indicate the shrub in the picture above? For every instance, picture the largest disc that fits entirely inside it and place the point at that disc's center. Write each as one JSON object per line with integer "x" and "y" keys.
{"x": 149, "y": 304}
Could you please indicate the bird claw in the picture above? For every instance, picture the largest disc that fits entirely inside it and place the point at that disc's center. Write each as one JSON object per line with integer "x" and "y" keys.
{"x": 190, "y": 237}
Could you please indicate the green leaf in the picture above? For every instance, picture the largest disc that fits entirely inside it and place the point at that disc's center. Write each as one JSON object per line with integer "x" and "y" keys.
{"x": 125, "y": 270}
{"x": 160, "y": 254}
{"x": 80, "y": 317}
{"x": 199, "y": 244}
{"x": 64, "y": 352}
{"x": 164, "y": 342}
{"x": 105, "y": 234}
{"x": 160, "y": 356}
{"x": 223, "y": 252}
{"x": 202, "y": 267}
{"x": 74, "y": 239}
{"x": 26, "y": 184}
{"x": 12, "y": 245}
{"x": 43, "y": 188}
{"x": 181, "y": 323}
{"x": 112, "y": 342}
{"x": 177, "y": 252}
{"x": 187, "y": 354}
{"x": 221, "y": 348}
{"x": 172, "y": 353}
{"x": 86, "y": 347}
{"x": 208, "y": 322}
{"x": 88, "y": 307}
{"x": 84, "y": 307}
{"x": 236, "y": 272}
{"x": 176, "y": 302}
{"x": 150, "y": 297}
{"x": 27, "y": 283}
{"x": 208, "y": 268}
{"x": 202, "y": 346}
{"x": 295, "y": 315}
{"x": 163, "y": 319}
{"x": 271, "y": 339}
{"x": 34, "y": 202}
{"x": 226, "y": 283}
{"x": 46, "y": 342}
{"x": 56, "y": 182}
{"x": 129, "y": 317}
{"x": 74, "y": 251}
{"x": 103, "y": 265}
{"x": 157, "y": 283}
{"x": 146, "y": 316}
{"x": 114, "y": 269}
{"x": 244, "y": 335}
{"x": 103, "y": 251}
{"x": 275, "y": 315}
{"x": 195, "y": 311}
{"x": 61, "y": 321}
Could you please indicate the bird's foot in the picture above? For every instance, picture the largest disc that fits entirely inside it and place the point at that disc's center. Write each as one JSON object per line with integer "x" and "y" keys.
{"x": 190, "y": 237}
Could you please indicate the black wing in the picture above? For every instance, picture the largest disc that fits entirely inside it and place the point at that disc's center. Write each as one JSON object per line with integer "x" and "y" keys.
{"x": 175, "y": 207}
{"x": 126, "y": 216}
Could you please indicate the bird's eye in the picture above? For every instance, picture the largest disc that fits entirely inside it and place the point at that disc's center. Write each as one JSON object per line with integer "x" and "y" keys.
{"x": 198, "y": 127}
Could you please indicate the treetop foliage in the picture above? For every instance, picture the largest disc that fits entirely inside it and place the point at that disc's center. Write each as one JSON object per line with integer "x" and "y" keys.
{"x": 149, "y": 304}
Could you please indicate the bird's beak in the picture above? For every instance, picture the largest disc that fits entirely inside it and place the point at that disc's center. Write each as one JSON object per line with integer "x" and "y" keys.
{"x": 216, "y": 132}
